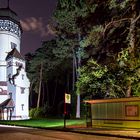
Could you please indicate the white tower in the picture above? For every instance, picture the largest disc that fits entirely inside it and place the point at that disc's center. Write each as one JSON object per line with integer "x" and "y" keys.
{"x": 10, "y": 34}
{"x": 14, "y": 83}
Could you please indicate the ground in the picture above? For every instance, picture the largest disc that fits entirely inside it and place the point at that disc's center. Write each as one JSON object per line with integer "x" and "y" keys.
{"x": 19, "y": 133}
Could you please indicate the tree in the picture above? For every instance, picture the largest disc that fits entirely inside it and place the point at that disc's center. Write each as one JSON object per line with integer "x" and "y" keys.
{"x": 47, "y": 71}
{"x": 116, "y": 44}
{"x": 67, "y": 17}
{"x": 128, "y": 57}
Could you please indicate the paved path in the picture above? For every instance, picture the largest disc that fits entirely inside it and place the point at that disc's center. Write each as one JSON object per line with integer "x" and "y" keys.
{"x": 19, "y": 133}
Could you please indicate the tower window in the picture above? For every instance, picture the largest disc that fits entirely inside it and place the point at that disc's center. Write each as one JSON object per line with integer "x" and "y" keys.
{"x": 10, "y": 94}
{"x": 22, "y": 76}
{"x": 22, "y": 107}
{"x": 9, "y": 63}
{"x": 13, "y": 45}
{"x": 22, "y": 90}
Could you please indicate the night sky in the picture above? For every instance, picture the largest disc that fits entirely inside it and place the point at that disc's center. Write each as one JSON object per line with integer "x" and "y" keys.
{"x": 35, "y": 16}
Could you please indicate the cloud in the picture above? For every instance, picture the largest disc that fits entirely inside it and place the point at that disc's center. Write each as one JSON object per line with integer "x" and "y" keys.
{"x": 37, "y": 25}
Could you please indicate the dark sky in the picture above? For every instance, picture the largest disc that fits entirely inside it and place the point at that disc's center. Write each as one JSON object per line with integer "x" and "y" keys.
{"x": 34, "y": 16}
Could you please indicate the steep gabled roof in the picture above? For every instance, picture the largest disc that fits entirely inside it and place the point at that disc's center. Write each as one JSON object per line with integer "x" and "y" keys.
{"x": 7, "y": 103}
{"x": 14, "y": 53}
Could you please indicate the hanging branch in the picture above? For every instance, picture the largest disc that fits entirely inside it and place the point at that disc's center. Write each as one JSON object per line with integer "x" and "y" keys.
{"x": 112, "y": 23}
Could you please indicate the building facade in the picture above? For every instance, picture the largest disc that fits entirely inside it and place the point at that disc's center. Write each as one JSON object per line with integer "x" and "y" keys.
{"x": 14, "y": 84}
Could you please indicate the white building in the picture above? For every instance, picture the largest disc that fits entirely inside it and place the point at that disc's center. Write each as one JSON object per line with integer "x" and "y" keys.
{"x": 14, "y": 84}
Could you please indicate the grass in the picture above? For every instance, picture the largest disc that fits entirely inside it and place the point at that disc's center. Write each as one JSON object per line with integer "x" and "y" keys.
{"x": 44, "y": 123}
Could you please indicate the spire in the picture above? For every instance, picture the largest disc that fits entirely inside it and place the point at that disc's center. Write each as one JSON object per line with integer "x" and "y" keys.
{"x": 8, "y": 4}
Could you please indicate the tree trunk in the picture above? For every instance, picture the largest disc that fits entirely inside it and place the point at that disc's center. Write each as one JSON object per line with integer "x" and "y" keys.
{"x": 78, "y": 106}
{"x": 78, "y": 74}
{"x": 48, "y": 98}
{"x": 68, "y": 83}
{"x": 132, "y": 32}
{"x": 128, "y": 92}
{"x": 31, "y": 94}
{"x": 43, "y": 93}
{"x": 55, "y": 89}
{"x": 40, "y": 83}
{"x": 132, "y": 42}
{"x": 73, "y": 73}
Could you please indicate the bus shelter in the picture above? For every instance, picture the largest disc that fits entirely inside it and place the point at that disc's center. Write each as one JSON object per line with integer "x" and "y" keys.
{"x": 120, "y": 112}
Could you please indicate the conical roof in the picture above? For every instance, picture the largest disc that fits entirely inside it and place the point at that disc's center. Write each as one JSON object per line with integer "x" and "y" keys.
{"x": 7, "y": 13}
{"x": 14, "y": 53}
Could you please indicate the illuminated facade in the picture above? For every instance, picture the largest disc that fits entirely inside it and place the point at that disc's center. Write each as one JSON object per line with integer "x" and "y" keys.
{"x": 14, "y": 84}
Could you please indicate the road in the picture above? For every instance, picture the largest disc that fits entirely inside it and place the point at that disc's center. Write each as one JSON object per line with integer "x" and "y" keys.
{"x": 19, "y": 133}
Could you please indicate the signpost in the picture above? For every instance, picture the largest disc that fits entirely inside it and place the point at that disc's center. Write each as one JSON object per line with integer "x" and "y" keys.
{"x": 67, "y": 100}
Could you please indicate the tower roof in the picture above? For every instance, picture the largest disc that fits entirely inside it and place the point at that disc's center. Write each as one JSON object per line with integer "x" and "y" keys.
{"x": 14, "y": 53}
{"x": 7, "y": 13}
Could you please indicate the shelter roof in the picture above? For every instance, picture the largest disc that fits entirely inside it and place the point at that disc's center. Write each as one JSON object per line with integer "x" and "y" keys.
{"x": 132, "y": 99}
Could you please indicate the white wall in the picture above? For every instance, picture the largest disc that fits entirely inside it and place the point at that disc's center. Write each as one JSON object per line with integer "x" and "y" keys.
{"x": 3, "y": 71}
{"x": 5, "y": 43}
{"x": 3, "y": 98}
{"x": 18, "y": 97}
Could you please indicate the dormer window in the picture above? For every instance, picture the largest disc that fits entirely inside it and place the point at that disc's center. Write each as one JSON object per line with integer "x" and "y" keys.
{"x": 13, "y": 45}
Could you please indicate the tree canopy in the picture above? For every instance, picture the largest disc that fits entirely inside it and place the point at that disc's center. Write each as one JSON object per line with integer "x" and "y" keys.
{"x": 96, "y": 50}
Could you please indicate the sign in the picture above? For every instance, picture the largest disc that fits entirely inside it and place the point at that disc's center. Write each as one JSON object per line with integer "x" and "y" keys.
{"x": 131, "y": 110}
{"x": 67, "y": 98}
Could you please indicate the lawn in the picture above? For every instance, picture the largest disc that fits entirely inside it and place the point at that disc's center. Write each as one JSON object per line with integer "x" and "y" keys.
{"x": 45, "y": 123}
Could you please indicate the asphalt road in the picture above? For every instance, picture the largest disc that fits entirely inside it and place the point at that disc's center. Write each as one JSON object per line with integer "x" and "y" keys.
{"x": 19, "y": 133}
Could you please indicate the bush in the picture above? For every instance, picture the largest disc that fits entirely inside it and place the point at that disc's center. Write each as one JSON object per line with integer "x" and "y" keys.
{"x": 31, "y": 112}
{"x": 36, "y": 113}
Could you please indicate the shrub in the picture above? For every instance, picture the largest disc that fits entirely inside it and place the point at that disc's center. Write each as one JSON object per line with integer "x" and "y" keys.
{"x": 36, "y": 113}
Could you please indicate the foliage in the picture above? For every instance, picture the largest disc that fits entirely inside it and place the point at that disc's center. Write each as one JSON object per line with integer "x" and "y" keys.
{"x": 52, "y": 55}
{"x": 93, "y": 79}
{"x": 113, "y": 42}
{"x": 130, "y": 67}
{"x": 101, "y": 40}
{"x": 31, "y": 112}
{"x": 36, "y": 113}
